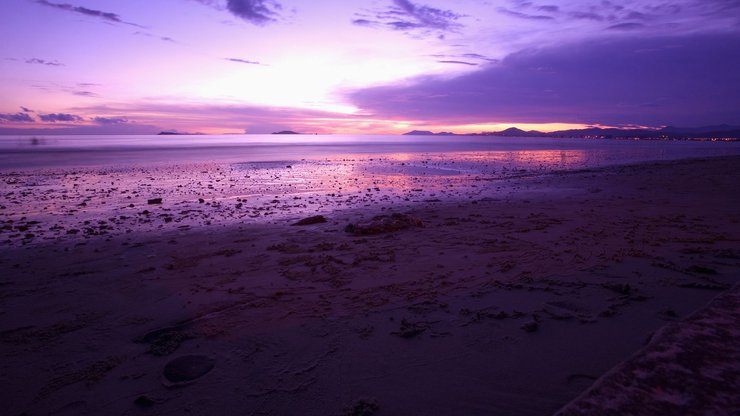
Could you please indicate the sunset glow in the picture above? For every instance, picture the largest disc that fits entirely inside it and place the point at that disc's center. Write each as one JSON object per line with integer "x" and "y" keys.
{"x": 365, "y": 67}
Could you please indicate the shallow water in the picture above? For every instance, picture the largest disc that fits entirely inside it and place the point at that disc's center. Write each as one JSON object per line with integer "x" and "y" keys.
{"x": 76, "y": 187}
{"x": 25, "y": 152}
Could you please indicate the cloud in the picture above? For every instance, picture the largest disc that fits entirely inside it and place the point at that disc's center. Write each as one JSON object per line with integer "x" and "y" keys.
{"x": 258, "y": 12}
{"x": 405, "y": 15}
{"x": 457, "y": 62}
{"x": 26, "y": 110}
{"x": 84, "y": 93}
{"x": 109, "y": 120}
{"x": 521, "y": 15}
{"x": 60, "y": 117}
{"x": 151, "y": 35}
{"x": 626, "y": 26}
{"x": 43, "y": 62}
{"x": 107, "y": 16}
{"x": 193, "y": 117}
{"x": 586, "y": 16}
{"x": 620, "y": 80}
{"x": 243, "y": 61}
{"x": 17, "y": 117}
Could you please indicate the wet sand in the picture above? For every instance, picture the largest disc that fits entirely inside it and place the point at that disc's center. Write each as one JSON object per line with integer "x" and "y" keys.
{"x": 520, "y": 289}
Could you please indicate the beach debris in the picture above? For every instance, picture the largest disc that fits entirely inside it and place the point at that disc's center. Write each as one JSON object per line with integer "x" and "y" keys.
{"x": 384, "y": 224}
{"x": 154, "y": 201}
{"x": 411, "y": 329}
{"x": 145, "y": 401}
{"x": 362, "y": 407}
{"x": 164, "y": 341}
{"x": 701, "y": 270}
{"x": 706, "y": 286}
{"x": 622, "y": 289}
{"x": 316, "y": 219}
{"x": 186, "y": 369}
{"x": 530, "y": 326}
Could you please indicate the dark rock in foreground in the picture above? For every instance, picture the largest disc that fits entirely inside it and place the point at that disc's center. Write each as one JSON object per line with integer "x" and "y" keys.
{"x": 384, "y": 224}
{"x": 154, "y": 201}
{"x": 316, "y": 219}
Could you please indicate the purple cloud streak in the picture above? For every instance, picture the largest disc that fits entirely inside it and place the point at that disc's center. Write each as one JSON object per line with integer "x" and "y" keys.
{"x": 60, "y": 117}
{"x": 243, "y": 61}
{"x": 43, "y": 62}
{"x": 405, "y": 15}
{"x": 107, "y": 16}
{"x": 17, "y": 117}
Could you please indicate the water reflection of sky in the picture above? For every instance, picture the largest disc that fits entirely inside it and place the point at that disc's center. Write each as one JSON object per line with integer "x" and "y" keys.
{"x": 113, "y": 197}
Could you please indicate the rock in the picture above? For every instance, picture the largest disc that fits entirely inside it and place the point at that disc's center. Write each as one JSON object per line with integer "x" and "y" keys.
{"x": 384, "y": 224}
{"x": 362, "y": 407}
{"x": 316, "y": 219}
{"x": 530, "y": 326}
{"x": 186, "y": 369}
{"x": 154, "y": 201}
{"x": 144, "y": 401}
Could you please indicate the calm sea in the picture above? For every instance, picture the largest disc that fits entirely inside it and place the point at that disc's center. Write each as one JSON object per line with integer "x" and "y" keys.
{"x": 27, "y": 152}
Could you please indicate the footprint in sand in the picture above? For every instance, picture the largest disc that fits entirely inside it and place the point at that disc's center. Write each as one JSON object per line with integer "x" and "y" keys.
{"x": 186, "y": 370}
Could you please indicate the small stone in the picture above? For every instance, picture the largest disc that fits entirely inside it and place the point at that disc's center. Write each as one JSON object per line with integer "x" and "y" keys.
{"x": 144, "y": 401}
{"x": 530, "y": 326}
{"x": 154, "y": 201}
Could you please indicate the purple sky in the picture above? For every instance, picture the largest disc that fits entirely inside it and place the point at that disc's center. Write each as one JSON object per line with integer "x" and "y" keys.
{"x": 365, "y": 66}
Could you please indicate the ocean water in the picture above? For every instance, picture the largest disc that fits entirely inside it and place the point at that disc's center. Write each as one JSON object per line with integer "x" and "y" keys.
{"x": 31, "y": 152}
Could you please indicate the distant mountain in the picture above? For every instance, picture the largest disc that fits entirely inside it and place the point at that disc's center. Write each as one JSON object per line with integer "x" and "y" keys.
{"x": 709, "y": 132}
{"x": 286, "y": 132}
{"x": 514, "y": 132}
{"x": 428, "y": 133}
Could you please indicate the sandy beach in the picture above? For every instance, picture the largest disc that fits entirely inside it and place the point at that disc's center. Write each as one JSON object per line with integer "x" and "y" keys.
{"x": 189, "y": 290}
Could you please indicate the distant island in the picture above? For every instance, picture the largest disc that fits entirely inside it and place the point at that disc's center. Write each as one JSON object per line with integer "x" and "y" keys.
{"x": 286, "y": 132}
{"x": 176, "y": 133}
{"x": 667, "y": 133}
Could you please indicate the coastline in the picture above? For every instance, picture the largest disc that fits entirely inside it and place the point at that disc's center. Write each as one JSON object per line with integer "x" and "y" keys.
{"x": 515, "y": 295}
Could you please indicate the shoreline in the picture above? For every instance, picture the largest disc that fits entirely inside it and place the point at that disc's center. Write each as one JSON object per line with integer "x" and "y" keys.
{"x": 513, "y": 300}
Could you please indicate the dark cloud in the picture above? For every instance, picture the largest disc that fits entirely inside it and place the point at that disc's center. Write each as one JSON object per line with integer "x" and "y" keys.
{"x": 109, "y": 120}
{"x": 586, "y": 16}
{"x": 26, "y": 110}
{"x": 521, "y": 15}
{"x": 84, "y": 93}
{"x": 457, "y": 62}
{"x": 478, "y": 56}
{"x": 243, "y": 61}
{"x": 17, "y": 117}
{"x": 549, "y": 8}
{"x": 626, "y": 26}
{"x": 61, "y": 117}
{"x": 463, "y": 58}
{"x": 405, "y": 15}
{"x": 43, "y": 62}
{"x": 624, "y": 80}
{"x": 259, "y": 12}
{"x": 107, "y": 16}
{"x": 150, "y": 35}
